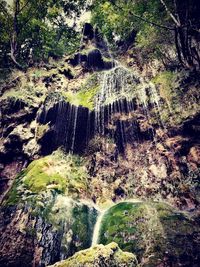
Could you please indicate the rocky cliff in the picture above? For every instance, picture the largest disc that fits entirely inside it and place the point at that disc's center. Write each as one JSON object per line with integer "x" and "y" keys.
{"x": 85, "y": 136}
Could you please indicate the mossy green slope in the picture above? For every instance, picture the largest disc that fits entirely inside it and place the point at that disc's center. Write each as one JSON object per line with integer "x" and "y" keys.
{"x": 179, "y": 99}
{"x": 153, "y": 231}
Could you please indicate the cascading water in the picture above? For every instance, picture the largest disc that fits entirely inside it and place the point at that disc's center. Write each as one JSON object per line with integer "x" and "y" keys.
{"x": 75, "y": 115}
{"x": 72, "y": 223}
{"x": 120, "y": 94}
{"x": 97, "y": 227}
{"x": 114, "y": 97}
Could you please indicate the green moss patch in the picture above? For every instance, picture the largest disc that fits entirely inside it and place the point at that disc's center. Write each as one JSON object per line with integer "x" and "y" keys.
{"x": 180, "y": 96}
{"x": 57, "y": 171}
{"x": 83, "y": 98}
{"x": 37, "y": 177}
{"x": 85, "y": 95}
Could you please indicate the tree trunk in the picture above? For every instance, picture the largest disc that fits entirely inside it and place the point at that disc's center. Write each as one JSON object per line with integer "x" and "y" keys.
{"x": 188, "y": 55}
{"x": 12, "y": 55}
{"x": 14, "y": 35}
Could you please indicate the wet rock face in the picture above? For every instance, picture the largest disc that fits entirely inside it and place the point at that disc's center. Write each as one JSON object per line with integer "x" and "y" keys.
{"x": 8, "y": 174}
{"x": 156, "y": 233}
{"x": 95, "y": 59}
{"x": 69, "y": 126}
{"x": 16, "y": 132}
{"x": 73, "y": 127}
{"x": 77, "y": 59}
{"x": 191, "y": 127}
{"x": 17, "y": 244}
{"x": 99, "y": 256}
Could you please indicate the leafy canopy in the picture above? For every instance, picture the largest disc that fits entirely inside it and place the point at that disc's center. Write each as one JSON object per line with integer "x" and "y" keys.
{"x": 34, "y": 30}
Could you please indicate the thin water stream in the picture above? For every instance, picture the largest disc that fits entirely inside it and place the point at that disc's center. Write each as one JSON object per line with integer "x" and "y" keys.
{"x": 97, "y": 227}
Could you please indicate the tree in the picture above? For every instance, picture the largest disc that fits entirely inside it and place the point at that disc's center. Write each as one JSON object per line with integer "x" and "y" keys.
{"x": 138, "y": 23}
{"x": 37, "y": 29}
{"x": 186, "y": 21}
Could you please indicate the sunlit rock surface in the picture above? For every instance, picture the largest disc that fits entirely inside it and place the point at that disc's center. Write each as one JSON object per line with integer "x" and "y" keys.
{"x": 98, "y": 256}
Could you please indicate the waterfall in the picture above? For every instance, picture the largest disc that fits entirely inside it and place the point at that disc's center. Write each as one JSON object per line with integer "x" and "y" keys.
{"x": 97, "y": 227}
{"x": 116, "y": 102}
{"x": 122, "y": 93}
{"x": 75, "y": 115}
{"x": 116, "y": 94}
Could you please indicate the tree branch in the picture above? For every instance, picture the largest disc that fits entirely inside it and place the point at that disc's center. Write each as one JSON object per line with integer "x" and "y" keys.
{"x": 19, "y": 66}
{"x": 23, "y": 7}
{"x": 3, "y": 9}
{"x": 146, "y": 20}
{"x": 152, "y": 23}
{"x": 170, "y": 13}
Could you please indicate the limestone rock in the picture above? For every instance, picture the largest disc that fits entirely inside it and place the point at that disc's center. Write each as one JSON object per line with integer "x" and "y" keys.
{"x": 32, "y": 148}
{"x": 159, "y": 171}
{"x": 22, "y": 132}
{"x": 194, "y": 154}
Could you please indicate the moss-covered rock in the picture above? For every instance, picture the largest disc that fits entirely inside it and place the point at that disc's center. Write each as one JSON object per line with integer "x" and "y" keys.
{"x": 57, "y": 225}
{"x": 155, "y": 232}
{"x": 99, "y": 256}
{"x": 84, "y": 97}
{"x": 57, "y": 171}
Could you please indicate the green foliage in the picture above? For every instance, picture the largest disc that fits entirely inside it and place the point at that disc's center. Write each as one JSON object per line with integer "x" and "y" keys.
{"x": 119, "y": 19}
{"x": 159, "y": 26}
{"x": 38, "y": 30}
{"x": 167, "y": 81}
